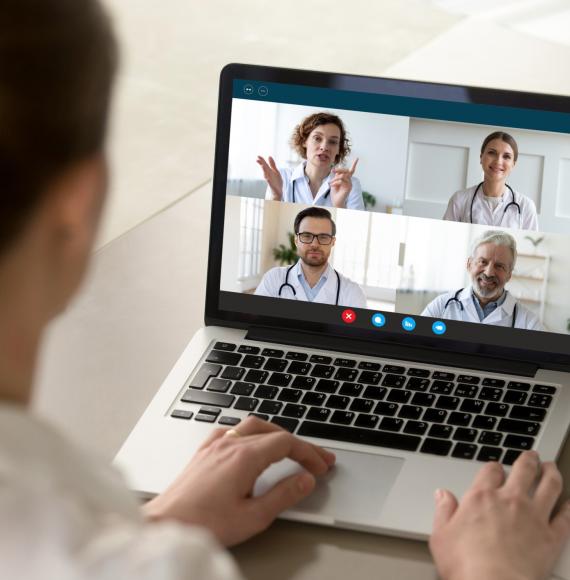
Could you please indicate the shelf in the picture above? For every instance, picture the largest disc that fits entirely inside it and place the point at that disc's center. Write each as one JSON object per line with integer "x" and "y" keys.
{"x": 529, "y": 300}
{"x": 536, "y": 256}
{"x": 534, "y": 278}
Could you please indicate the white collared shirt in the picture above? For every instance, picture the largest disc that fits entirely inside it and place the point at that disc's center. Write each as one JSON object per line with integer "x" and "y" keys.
{"x": 296, "y": 189}
{"x": 67, "y": 516}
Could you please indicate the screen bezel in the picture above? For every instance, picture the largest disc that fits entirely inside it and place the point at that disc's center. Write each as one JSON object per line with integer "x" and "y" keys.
{"x": 461, "y": 94}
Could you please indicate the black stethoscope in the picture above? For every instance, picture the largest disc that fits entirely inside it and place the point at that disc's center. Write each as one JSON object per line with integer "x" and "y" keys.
{"x": 287, "y": 285}
{"x": 324, "y": 196}
{"x": 455, "y": 298}
{"x": 512, "y": 202}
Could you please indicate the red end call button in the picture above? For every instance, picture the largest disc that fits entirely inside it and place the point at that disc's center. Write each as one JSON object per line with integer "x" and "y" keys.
{"x": 348, "y": 316}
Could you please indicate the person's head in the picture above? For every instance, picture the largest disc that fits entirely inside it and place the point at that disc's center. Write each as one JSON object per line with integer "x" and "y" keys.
{"x": 57, "y": 64}
{"x": 315, "y": 233}
{"x": 499, "y": 154}
{"x": 491, "y": 263}
{"x": 321, "y": 139}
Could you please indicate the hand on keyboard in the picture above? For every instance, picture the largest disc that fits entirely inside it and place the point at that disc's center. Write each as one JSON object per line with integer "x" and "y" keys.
{"x": 502, "y": 529}
{"x": 215, "y": 489}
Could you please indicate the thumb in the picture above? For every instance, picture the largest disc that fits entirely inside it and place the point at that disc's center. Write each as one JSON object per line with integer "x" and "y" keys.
{"x": 286, "y": 494}
{"x": 445, "y": 506}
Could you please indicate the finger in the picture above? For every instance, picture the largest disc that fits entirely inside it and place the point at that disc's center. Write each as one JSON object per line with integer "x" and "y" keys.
{"x": 353, "y": 168}
{"x": 490, "y": 476}
{"x": 561, "y": 525}
{"x": 523, "y": 473}
{"x": 548, "y": 490}
{"x": 260, "y": 161}
{"x": 446, "y": 504}
{"x": 272, "y": 164}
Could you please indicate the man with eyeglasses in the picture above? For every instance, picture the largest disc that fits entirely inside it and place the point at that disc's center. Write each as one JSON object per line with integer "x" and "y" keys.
{"x": 312, "y": 278}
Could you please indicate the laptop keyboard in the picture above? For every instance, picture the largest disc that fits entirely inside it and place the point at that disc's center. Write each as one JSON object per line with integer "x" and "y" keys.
{"x": 466, "y": 416}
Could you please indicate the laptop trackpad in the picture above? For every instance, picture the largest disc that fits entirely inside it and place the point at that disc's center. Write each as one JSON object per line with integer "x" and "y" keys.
{"x": 355, "y": 489}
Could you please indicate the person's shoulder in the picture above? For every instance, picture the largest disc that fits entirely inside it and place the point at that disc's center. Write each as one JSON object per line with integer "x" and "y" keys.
{"x": 532, "y": 319}
{"x": 524, "y": 200}
{"x": 464, "y": 193}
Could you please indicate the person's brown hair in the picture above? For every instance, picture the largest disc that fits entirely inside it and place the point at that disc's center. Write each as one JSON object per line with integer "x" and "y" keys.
{"x": 57, "y": 64}
{"x": 509, "y": 139}
{"x": 308, "y": 124}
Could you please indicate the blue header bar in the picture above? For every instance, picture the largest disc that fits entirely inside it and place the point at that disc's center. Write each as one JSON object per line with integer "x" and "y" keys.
{"x": 499, "y": 116}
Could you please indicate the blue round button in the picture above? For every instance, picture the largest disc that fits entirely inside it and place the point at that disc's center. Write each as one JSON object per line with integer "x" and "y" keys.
{"x": 438, "y": 327}
{"x": 408, "y": 324}
{"x": 378, "y": 319}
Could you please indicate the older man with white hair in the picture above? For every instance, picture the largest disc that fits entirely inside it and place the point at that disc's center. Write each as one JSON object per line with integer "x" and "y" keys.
{"x": 490, "y": 267}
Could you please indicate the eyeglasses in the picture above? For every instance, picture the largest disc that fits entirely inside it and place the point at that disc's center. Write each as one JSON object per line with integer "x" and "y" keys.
{"x": 307, "y": 238}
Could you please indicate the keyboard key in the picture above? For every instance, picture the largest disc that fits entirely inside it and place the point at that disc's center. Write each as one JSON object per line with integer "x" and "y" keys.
{"x": 246, "y": 404}
{"x": 459, "y": 419}
{"x": 490, "y": 438}
{"x": 369, "y": 366}
{"x": 418, "y": 384}
{"x": 490, "y": 454}
{"x": 204, "y": 418}
{"x": 210, "y": 410}
{"x": 279, "y": 379}
{"x": 388, "y": 409}
{"x": 472, "y": 406}
{"x": 542, "y": 401}
{"x": 497, "y": 409}
{"x": 362, "y": 405}
{"x": 397, "y": 396}
{"x": 413, "y": 372}
{"x": 248, "y": 349}
{"x": 394, "y": 369}
{"x": 544, "y": 389}
{"x": 345, "y": 362}
{"x": 515, "y": 397}
{"x": 226, "y": 420}
{"x": 296, "y": 411}
{"x": 253, "y": 376}
{"x": 323, "y": 371}
{"x": 436, "y": 446}
{"x": 342, "y": 417}
{"x": 272, "y": 352}
{"x": 287, "y": 423}
{"x": 435, "y": 416}
{"x": 423, "y": 399}
{"x": 357, "y": 435}
{"x": 369, "y": 377}
{"x": 462, "y": 434}
{"x": 275, "y": 364}
{"x": 445, "y": 402}
{"x": 266, "y": 392}
{"x": 344, "y": 374}
{"x": 219, "y": 385}
{"x": 518, "y": 386}
{"x": 312, "y": 398}
{"x": 391, "y": 424}
{"x": 225, "y": 346}
{"x": 442, "y": 387}
{"x": 484, "y": 422}
{"x": 252, "y": 362}
{"x": 464, "y": 451}
{"x": 306, "y": 383}
{"x": 511, "y": 456}
{"x": 289, "y": 395}
{"x": 410, "y": 411}
{"x": 396, "y": 381}
{"x": 337, "y": 402}
{"x": 299, "y": 368}
{"x": 443, "y": 376}
{"x": 326, "y": 386}
{"x": 440, "y": 431}
{"x": 270, "y": 407}
{"x": 205, "y": 398}
{"x": 233, "y": 373}
{"x": 201, "y": 377}
{"x": 468, "y": 379}
{"x": 292, "y": 355}
{"x": 242, "y": 389}
{"x": 469, "y": 391}
{"x": 224, "y": 358}
{"x": 415, "y": 427}
{"x": 351, "y": 389}
{"x": 316, "y": 414}
{"x": 519, "y": 442}
{"x": 262, "y": 416}
{"x": 376, "y": 393}
{"x": 490, "y": 394}
{"x": 320, "y": 359}
{"x": 368, "y": 421}
{"x": 527, "y": 413}
{"x": 493, "y": 382}
{"x": 181, "y": 414}
{"x": 518, "y": 427}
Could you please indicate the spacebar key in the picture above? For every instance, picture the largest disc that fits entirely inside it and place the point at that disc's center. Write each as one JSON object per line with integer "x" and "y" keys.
{"x": 355, "y": 435}
{"x": 204, "y": 398}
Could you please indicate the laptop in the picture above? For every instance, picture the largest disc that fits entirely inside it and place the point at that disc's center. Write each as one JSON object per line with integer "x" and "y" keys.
{"x": 409, "y": 397}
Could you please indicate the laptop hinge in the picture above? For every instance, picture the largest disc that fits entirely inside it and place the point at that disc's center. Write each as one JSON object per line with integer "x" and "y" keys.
{"x": 480, "y": 362}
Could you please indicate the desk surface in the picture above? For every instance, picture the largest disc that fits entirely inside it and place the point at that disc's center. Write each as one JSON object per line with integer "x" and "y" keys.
{"x": 105, "y": 358}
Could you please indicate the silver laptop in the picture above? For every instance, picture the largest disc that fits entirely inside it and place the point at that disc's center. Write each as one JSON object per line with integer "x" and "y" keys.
{"x": 427, "y": 345}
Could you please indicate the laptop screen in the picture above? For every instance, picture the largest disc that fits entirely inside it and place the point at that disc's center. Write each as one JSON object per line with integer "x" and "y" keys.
{"x": 381, "y": 208}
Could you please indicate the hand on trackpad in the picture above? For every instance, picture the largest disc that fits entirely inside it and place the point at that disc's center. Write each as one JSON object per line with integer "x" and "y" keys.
{"x": 274, "y": 474}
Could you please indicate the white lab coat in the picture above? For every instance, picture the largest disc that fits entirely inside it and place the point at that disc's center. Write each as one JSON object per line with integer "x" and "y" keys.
{"x": 303, "y": 192}
{"x": 501, "y": 316}
{"x": 350, "y": 293}
{"x": 459, "y": 210}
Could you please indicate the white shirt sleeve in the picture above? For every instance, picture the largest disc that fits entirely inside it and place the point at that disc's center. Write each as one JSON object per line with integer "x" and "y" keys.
{"x": 529, "y": 217}
{"x": 268, "y": 285}
{"x": 453, "y": 213}
{"x": 434, "y": 308}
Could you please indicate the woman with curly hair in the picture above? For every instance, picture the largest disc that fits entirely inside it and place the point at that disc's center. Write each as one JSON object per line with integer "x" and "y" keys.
{"x": 321, "y": 140}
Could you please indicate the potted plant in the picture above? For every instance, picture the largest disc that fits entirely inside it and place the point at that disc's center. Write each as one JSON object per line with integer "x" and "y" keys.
{"x": 368, "y": 199}
{"x": 286, "y": 255}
